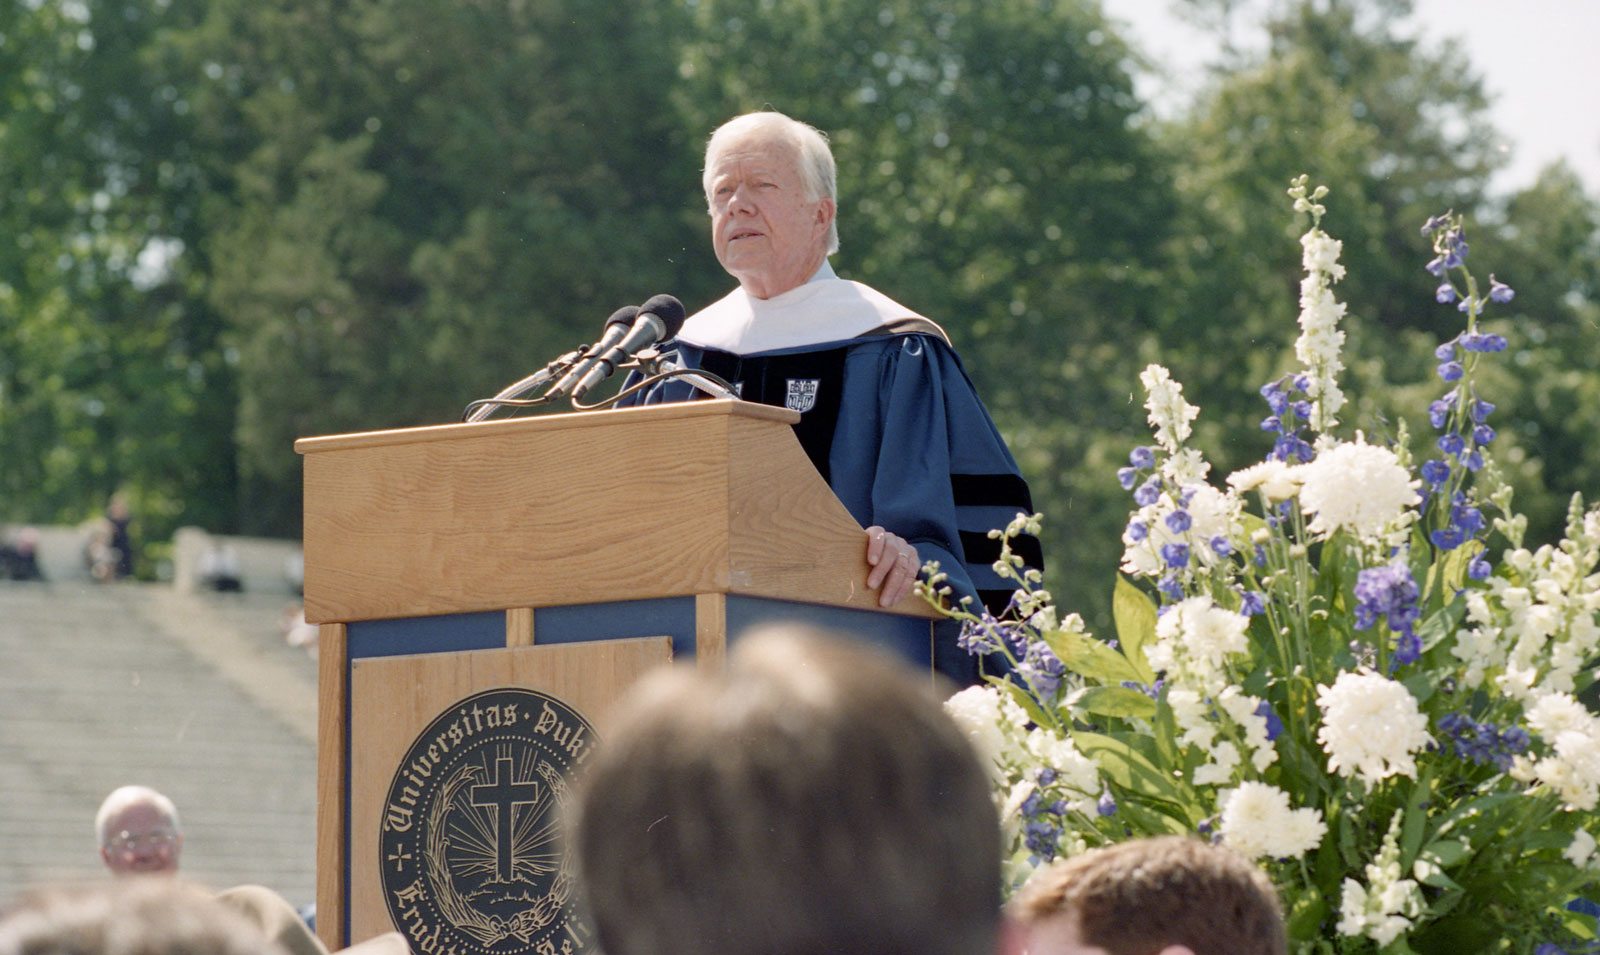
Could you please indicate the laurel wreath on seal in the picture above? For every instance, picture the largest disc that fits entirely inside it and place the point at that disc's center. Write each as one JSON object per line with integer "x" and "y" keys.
{"x": 489, "y": 929}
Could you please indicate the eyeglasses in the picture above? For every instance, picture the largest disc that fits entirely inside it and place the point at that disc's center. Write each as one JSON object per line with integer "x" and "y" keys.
{"x": 130, "y": 841}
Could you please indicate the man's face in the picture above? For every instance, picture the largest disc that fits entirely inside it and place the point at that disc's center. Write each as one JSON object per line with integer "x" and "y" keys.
{"x": 766, "y": 233}
{"x": 141, "y": 841}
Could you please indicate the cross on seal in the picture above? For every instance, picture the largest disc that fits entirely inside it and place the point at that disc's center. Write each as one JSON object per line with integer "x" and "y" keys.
{"x": 502, "y": 795}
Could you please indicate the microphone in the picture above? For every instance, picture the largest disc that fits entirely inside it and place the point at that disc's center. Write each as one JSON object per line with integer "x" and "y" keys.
{"x": 617, "y": 327}
{"x": 659, "y": 319}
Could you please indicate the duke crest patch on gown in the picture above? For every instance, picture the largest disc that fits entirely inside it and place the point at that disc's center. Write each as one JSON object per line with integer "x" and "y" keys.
{"x": 802, "y": 394}
{"x": 470, "y": 851}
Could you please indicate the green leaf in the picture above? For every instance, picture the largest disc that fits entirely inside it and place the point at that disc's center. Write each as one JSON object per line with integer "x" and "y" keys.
{"x": 1091, "y": 658}
{"x": 1453, "y": 569}
{"x": 1113, "y": 701}
{"x": 1135, "y": 616}
{"x": 1446, "y": 852}
{"x": 1025, "y": 700}
{"x": 1415, "y": 826}
{"x": 1305, "y": 917}
{"x": 1442, "y": 622}
{"x": 1125, "y": 766}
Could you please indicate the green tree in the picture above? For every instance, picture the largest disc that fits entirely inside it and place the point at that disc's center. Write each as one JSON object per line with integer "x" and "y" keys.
{"x": 428, "y": 200}
{"x": 111, "y": 376}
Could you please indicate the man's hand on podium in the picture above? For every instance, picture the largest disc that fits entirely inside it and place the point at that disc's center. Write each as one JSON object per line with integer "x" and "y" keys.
{"x": 894, "y": 565}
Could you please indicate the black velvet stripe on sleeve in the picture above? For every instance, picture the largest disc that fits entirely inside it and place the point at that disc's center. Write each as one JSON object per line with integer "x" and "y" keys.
{"x": 979, "y": 548}
{"x": 991, "y": 490}
{"x": 995, "y": 601}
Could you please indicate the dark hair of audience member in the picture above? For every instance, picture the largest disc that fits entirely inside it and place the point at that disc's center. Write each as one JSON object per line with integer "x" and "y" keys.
{"x": 810, "y": 798}
{"x": 1140, "y": 896}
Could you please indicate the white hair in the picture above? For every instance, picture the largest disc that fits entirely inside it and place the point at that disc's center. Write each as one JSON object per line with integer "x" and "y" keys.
{"x": 126, "y": 797}
{"x": 818, "y": 174}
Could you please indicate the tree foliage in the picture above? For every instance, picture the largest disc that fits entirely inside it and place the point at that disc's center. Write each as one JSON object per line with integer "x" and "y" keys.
{"x": 236, "y": 222}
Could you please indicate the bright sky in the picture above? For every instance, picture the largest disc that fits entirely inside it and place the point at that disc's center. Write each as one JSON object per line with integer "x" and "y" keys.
{"x": 1538, "y": 59}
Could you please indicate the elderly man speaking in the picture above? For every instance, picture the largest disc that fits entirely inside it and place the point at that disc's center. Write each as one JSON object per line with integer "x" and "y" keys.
{"x": 888, "y": 416}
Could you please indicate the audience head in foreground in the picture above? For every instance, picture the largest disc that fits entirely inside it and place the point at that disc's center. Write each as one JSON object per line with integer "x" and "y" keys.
{"x": 1164, "y": 896}
{"x": 139, "y": 832}
{"x": 810, "y": 798}
{"x": 128, "y": 917}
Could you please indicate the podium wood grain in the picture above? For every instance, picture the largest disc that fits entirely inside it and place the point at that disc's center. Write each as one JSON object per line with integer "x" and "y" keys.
{"x": 393, "y": 699}
{"x": 696, "y": 498}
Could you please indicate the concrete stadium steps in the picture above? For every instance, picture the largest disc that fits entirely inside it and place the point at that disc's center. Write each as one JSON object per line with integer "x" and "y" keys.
{"x": 194, "y": 694}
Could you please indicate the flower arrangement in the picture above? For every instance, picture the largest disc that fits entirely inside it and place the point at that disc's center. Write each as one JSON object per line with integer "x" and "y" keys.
{"x": 1319, "y": 664}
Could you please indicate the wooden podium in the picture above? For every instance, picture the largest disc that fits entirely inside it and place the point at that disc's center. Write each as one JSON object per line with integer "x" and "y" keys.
{"x": 560, "y": 555}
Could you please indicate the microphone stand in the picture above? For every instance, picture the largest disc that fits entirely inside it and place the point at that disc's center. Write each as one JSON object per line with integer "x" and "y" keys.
{"x": 651, "y": 363}
{"x": 657, "y": 368}
{"x": 507, "y": 398}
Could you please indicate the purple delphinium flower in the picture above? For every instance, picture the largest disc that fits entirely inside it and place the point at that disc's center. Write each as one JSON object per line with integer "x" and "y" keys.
{"x": 1467, "y": 517}
{"x": 1391, "y": 593}
{"x": 1483, "y": 743}
{"x": 1142, "y": 457}
{"x": 984, "y": 635}
{"x": 1252, "y": 602}
{"x": 1478, "y": 568}
{"x": 1137, "y": 531}
{"x": 1107, "y": 804}
{"x": 1274, "y": 724}
{"x": 1176, "y": 555}
{"x": 1483, "y": 342}
{"x": 1040, "y": 837}
{"x": 1451, "y": 371}
{"x": 1178, "y": 521}
{"x": 1436, "y": 472}
{"x": 1445, "y": 293}
{"x": 1499, "y": 291}
{"x": 1481, "y": 410}
{"x": 1148, "y": 493}
{"x": 1221, "y": 546}
{"x": 1042, "y": 668}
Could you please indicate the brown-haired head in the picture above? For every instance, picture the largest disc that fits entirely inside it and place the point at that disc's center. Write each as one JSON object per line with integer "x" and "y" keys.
{"x": 812, "y": 797}
{"x": 1149, "y": 896}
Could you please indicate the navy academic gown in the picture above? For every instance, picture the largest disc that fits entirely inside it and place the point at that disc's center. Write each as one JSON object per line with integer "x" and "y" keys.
{"x": 893, "y": 424}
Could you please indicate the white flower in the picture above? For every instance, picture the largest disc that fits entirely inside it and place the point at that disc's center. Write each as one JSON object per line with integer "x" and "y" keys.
{"x": 1224, "y": 760}
{"x": 1185, "y": 466}
{"x": 1197, "y": 633}
{"x": 1357, "y": 486}
{"x": 1581, "y": 852}
{"x": 1257, "y": 821}
{"x": 1573, "y": 770}
{"x": 1241, "y": 708}
{"x": 1385, "y": 907}
{"x": 1277, "y": 480}
{"x": 1074, "y": 770}
{"x": 1170, "y": 415}
{"x": 991, "y": 720}
{"x": 1371, "y": 727}
{"x": 1319, "y": 252}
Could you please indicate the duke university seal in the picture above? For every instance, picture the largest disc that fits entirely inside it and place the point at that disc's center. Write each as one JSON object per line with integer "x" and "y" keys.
{"x": 472, "y": 860}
